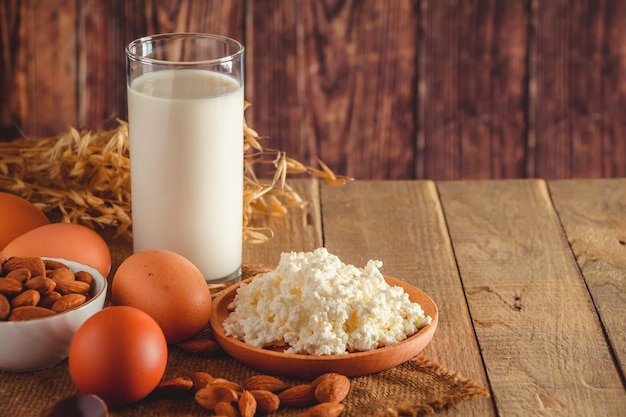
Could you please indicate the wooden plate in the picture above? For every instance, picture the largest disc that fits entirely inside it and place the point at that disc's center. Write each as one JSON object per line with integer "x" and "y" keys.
{"x": 308, "y": 366}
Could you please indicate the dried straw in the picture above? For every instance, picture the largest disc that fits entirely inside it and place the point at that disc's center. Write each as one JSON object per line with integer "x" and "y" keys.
{"x": 85, "y": 176}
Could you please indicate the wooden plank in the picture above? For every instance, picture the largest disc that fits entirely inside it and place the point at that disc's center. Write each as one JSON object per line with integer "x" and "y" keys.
{"x": 9, "y": 24}
{"x": 338, "y": 83}
{"x": 402, "y": 224}
{"x": 592, "y": 213}
{"x": 473, "y": 69}
{"x": 272, "y": 86}
{"x": 39, "y": 62}
{"x": 95, "y": 79}
{"x": 576, "y": 83}
{"x": 300, "y": 230}
{"x": 613, "y": 91}
{"x": 107, "y": 27}
{"x": 541, "y": 340}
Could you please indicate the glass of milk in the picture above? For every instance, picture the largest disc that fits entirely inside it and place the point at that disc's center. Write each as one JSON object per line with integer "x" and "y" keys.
{"x": 185, "y": 112}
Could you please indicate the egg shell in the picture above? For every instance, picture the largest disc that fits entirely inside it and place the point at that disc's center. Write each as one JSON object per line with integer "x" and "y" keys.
{"x": 18, "y": 216}
{"x": 69, "y": 241}
{"x": 118, "y": 354}
{"x": 167, "y": 286}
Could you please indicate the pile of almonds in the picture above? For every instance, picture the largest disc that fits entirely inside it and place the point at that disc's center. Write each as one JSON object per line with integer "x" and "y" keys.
{"x": 32, "y": 287}
{"x": 260, "y": 394}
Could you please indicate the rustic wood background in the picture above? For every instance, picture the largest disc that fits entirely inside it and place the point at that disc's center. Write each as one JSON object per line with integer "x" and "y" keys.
{"x": 398, "y": 89}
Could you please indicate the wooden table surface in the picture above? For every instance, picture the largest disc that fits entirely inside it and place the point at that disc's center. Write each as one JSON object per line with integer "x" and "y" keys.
{"x": 529, "y": 277}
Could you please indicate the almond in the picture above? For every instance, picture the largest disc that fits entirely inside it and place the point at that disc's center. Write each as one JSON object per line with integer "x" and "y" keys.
{"x": 298, "y": 396}
{"x": 84, "y": 276}
{"x": 226, "y": 409}
{"x": 228, "y": 384}
{"x": 265, "y": 382}
{"x": 10, "y": 287}
{"x": 49, "y": 299}
{"x": 72, "y": 287}
{"x": 5, "y": 307}
{"x": 42, "y": 284}
{"x": 200, "y": 379}
{"x": 333, "y": 388}
{"x": 26, "y": 298}
{"x": 68, "y": 302}
{"x": 206, "y": 348}
{"x": 35, "y": 265}
{"x": 324, "y": 410}
{"x": 247, "y": 404}
{"x": 29, "y": 312}
{"x": 51, "y": 264}
{"x": 61, "y": 275}
{"x": 210, "y": 395}
{"x": 321, "y": 378}
{"x": 266, "y": 401}
{"x": 173, "y": 387}
{"x": 20, "y": 274}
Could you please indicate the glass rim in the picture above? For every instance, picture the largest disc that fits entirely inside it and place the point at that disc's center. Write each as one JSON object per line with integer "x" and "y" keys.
{"x": 130, "y": 54}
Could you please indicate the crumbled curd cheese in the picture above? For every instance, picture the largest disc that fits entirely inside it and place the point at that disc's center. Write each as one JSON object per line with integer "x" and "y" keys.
{"x": 318, "y": 305}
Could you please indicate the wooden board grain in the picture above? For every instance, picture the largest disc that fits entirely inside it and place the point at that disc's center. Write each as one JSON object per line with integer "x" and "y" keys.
{"x": 472, "y": 94}
{"x": 402, "y": 224}
{"x": 400, "y": 89}
{"x": 325, "y": 89}
{"x": 38, "y": 65}
{"x": 529, "y": 303}
{"x": 105, "y": 28}
{"x": 594, "y": 217}
{"x": 573, "y": 90}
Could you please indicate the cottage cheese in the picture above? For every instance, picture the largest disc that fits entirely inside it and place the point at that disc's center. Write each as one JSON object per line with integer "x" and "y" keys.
{"x": 318, "y": 305}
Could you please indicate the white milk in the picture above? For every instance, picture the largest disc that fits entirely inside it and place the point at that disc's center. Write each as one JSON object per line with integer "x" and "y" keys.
{"x": 186, "y": 145}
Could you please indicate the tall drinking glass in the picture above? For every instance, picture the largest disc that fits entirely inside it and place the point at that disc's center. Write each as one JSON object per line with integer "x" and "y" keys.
{"x": 185, "y": 111}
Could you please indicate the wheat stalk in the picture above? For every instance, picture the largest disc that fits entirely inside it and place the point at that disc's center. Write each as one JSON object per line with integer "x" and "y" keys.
{"x": 85, "y": 176}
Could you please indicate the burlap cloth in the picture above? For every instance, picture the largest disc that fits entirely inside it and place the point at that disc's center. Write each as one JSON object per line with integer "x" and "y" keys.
{"x": 413, "y": 388}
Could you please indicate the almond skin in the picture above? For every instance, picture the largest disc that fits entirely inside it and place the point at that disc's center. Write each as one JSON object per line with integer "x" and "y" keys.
{"x": 49, "y": 299}
{"x": 228, "y": 384}
{"x": 324, "y": 410}
{"x": 266, "y": 401}
{"x": 35, "y": 265}
{"x": 68, "y": 302}
{"x": 29, "y": 312}
{"x": 210, "y": 395}
{"x": 323, "y": 377}
{"x": 84, "y": 276}
{"x": 61, "y": 275}
{"x": 265, "y": 382}
{"x": 72, "y": 287}
{"x": 42, "y": 284}
{"x": 332, "y": 389}
{"x": 200, "y": 379}
{"x": 21, "y": 274}
{"x": 5, "y": 307}
{"x": 247, "y": 404}
{"x": 51, "y": 264}
{"x": 298, "y": 396}
{"x": 226, "y": 409}
{"x": 26, "y": 298}
{"x": 174, "y": 387}
{"x": 207, "y": 348}
{"x": 10, "y": 287}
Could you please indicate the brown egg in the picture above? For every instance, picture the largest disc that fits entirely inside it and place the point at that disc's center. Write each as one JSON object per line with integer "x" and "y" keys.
{"x": 118, "y": 354}
{"x": 63, "y": 240}
{"x": 17, "y": 216}
{"x": 169, "y": 288}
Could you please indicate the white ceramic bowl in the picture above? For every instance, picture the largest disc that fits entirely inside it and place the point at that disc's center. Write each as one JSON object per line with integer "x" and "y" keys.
{"x": 39, "y": 343}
